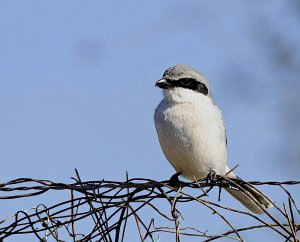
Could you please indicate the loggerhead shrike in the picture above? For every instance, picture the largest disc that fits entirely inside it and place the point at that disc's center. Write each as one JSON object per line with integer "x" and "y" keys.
{"x": 192, "y": 135}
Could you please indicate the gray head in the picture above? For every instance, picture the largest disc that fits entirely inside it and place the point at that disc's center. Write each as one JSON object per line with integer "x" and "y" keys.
{"x": 185, "y": 77}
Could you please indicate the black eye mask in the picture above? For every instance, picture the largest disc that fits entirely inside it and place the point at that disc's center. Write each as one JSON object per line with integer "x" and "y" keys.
{"x": 189, "y": 83}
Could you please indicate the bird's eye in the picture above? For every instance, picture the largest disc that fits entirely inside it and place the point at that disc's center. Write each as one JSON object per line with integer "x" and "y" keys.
{"x": 169, "y": 81}
{"x": 186, "y": 81}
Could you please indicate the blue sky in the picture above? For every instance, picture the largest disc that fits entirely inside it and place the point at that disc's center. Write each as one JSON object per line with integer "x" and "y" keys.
{"x": 77, "y": 85}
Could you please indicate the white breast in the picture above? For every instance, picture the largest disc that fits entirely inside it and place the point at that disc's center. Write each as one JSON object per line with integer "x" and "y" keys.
{"x": 192, "y": 135}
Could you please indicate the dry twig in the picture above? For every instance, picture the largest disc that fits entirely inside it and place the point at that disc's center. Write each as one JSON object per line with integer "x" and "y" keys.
{"x": 108, "y": 206}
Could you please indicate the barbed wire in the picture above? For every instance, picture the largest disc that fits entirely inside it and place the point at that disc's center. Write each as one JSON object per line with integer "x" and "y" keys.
{"x": 109, "y": 206}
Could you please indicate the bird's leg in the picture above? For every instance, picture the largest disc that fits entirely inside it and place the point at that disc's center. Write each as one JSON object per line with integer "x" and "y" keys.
{"x": 174, "y": 181}
{"x": 211, "y": 177}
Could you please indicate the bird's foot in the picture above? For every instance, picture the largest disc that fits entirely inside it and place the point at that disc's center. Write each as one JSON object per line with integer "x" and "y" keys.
{"x": 174, "y": 181}
{"x": 211, "y": 177}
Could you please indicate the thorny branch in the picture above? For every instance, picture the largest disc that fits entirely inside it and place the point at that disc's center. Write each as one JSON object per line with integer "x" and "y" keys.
{"x": 109, "y": 207}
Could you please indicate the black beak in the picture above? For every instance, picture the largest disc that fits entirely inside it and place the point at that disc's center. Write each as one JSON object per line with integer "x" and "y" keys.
{"x": 163, "y": 84}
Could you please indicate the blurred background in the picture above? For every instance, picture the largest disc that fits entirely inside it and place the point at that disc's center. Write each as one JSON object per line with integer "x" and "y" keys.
{"x": 77, "y": 89}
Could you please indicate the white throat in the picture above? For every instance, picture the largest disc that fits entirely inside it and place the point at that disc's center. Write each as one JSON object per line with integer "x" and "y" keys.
{"x": 182, "y": 95}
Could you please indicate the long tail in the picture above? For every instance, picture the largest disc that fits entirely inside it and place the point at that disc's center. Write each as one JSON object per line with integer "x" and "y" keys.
{"x": 249, "y": 196}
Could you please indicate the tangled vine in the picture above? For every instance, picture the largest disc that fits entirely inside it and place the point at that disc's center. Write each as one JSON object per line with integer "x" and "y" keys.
{"x": 108, "y": 207}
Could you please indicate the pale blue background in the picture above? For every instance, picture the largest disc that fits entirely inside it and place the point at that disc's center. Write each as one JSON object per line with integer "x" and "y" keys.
{"x": 77, "y": 87}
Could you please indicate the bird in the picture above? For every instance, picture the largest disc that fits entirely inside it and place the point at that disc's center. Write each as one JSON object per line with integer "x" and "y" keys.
{"x": 192, "y": 134}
